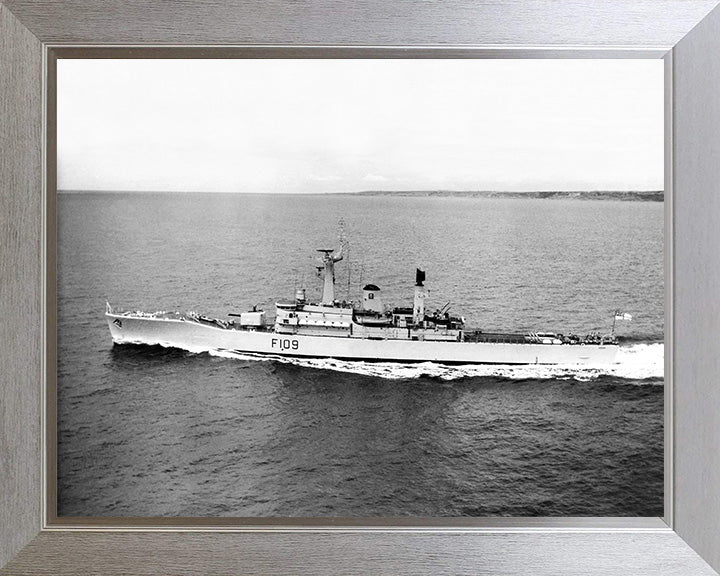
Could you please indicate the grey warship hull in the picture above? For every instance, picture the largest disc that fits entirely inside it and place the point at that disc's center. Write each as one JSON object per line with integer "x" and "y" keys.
{"x": 188, "y": 333}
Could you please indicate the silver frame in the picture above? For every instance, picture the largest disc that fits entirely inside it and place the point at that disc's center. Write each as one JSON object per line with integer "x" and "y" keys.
{"x": 658, "y": 540}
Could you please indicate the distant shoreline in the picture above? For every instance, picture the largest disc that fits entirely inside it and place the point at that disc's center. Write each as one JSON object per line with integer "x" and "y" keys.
{"x": 628, "y": 195}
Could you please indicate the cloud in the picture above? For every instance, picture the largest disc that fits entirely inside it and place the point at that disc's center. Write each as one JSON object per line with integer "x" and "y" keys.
{"x": 375, "y": 178}
{"x": 325, "y": 177}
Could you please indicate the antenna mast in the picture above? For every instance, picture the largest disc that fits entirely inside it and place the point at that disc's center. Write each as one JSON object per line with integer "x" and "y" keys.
{"x": 362, "y": 271}
{"x": 345, "y": 247}
{"x": 349, "y": 268}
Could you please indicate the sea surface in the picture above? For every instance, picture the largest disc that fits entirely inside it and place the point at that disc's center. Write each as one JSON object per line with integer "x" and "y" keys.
{"x": 149, "y": 431}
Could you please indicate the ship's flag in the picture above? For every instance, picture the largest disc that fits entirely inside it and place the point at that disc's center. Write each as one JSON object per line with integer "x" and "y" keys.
{"x": 419, "y": 277}
{"x": 623, "y": 316}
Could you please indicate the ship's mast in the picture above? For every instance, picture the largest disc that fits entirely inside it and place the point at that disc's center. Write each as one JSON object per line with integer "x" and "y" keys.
{"x": 328, "y": 260}
{"x": 346, "y": 249}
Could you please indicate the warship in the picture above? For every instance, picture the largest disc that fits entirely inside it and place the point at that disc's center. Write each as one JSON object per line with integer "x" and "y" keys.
{"x": 366, "y": 330}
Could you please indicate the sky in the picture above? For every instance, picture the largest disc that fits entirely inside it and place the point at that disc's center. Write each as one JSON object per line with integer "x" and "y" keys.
{"x": 317, "y": 126}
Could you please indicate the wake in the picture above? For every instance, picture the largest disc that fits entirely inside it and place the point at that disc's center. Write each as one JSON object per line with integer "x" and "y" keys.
{"x": 635, "y": 362}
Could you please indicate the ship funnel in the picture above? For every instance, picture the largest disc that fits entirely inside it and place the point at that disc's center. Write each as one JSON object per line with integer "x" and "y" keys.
{"x": 300, "y": 295}
{"x": 372, "y": 301}
{"x": 420, "y": 295}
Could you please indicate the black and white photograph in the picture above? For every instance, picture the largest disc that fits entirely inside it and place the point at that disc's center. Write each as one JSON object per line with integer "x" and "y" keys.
{"x": 360, "y": 288}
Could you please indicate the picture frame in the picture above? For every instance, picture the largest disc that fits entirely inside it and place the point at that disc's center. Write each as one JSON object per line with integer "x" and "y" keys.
{"x": 686, "y": 541}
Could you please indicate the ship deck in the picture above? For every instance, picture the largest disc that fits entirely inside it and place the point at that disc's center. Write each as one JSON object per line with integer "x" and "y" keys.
{"x": 469, "y": 336}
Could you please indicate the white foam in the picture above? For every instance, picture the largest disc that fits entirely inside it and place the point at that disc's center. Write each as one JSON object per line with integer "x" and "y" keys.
{"x": 635, "y": 362}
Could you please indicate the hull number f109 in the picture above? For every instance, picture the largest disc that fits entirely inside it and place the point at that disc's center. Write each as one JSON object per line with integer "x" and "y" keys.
{"x": 284, "y": 344}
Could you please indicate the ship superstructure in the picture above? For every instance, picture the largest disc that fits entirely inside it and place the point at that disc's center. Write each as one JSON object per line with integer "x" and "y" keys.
{"x": 366, "y": 330}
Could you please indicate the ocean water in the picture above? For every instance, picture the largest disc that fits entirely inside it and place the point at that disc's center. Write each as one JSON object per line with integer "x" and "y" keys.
{"x": 149, "y": 431}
